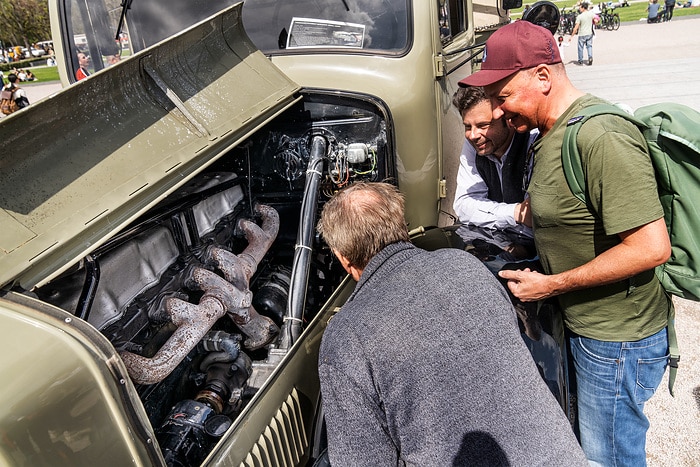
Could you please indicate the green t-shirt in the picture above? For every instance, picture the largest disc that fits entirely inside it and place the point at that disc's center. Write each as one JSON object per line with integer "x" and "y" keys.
{"x": 622, "y": 193}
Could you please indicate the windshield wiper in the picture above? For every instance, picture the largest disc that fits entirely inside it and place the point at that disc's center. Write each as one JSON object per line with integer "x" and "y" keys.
{"x": 126, "y": 5}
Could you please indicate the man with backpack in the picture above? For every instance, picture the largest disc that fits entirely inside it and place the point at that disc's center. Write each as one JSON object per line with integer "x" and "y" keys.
{"x": 599, "y": 256}
{"x": 12, "y": 97}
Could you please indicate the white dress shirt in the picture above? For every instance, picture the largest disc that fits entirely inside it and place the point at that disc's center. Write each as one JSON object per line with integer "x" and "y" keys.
{"x": 471, "y": 203}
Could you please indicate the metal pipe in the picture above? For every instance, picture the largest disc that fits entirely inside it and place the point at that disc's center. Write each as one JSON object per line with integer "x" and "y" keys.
{"x": 193, "y": 322}
{"x": 238, "y": 269}
{"x": 230, "y": 295}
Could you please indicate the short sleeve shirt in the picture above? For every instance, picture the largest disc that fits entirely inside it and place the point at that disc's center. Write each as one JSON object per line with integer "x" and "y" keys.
{"x": 585, "y": 22}
{"x": 622, "y": 193}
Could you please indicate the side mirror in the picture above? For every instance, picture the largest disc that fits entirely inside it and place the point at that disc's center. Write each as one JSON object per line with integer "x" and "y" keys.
{"x": 511, "y": 4}
{"x": 545, "y": 14}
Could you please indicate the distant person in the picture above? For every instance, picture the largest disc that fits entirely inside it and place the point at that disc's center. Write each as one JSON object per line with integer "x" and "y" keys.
{"x": 492, "y": 165}
{"x": 668, "y": 11}
{"x": 427, "y": 369}
{"x": 562, "y": 44}
{"x": 83, "y": 63}
{"x": 584, "y": 30}
{"x": 14, "y": 94}
{"x": 653, "y": 11}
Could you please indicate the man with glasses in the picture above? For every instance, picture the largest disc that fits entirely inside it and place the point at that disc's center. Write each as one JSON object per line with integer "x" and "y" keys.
{"x": 490, "y": 190}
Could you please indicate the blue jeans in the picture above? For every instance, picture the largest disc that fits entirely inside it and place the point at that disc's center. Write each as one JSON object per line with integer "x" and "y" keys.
{"x": 587, "y": 42}
{"x": 613, "y": 381}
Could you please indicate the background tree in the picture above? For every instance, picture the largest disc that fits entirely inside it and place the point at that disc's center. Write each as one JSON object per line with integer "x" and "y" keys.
{"x": 24, "y": 22}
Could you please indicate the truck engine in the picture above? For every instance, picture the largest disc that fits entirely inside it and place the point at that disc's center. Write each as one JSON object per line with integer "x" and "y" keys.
{"x": 202, "y": 294}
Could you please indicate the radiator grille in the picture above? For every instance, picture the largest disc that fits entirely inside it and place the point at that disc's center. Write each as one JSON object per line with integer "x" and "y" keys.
{"x": 284, "y": 441}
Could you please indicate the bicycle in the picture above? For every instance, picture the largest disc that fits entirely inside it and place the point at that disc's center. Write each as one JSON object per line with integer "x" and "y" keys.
{"x": 609, "y": 20}
{"x": 566, "y": 22}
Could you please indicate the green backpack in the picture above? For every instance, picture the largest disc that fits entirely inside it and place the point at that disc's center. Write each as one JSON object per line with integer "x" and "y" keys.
{"x": 672, "y": 133}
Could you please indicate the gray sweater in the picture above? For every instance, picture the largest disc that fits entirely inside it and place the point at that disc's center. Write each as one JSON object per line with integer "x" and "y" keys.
{"x": 425, "y": 366}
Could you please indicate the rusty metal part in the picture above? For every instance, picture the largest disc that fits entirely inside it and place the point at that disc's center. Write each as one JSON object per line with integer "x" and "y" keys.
{"x": 193, "y": 322}
{"x": 231, "y": 295}
{"x": 259, "y": 330}
{"x": 238, "y": 269}
{"x": 212, "y": 399}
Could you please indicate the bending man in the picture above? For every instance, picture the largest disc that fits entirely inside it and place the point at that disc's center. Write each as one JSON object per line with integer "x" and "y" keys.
{"x": 424, "y": 364}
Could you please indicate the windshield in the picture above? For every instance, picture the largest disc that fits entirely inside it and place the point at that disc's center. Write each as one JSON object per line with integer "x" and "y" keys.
{"x": 90, "y": 37}
{"x": 93, "y": 39}
{"x": 319, "y": 25}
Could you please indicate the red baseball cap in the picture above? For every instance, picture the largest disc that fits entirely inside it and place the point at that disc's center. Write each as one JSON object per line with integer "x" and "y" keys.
{"x": 514, "y": 47}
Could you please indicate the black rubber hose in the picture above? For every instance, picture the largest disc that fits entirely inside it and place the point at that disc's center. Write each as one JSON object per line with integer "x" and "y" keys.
{"x": 292, "y": 326}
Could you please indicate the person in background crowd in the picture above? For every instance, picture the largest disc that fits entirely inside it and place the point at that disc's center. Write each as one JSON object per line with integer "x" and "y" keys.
{"x": 427, "y": 369}
{"x": 83, "y": 62}
{"x": 669, "y": 5}
{"x": 18, "y": 94}
{"x": 561, "y": 44}
{"x": 584, "y": 29}
{"x": 653, "y": 11}
{"x": 598, "y": 257}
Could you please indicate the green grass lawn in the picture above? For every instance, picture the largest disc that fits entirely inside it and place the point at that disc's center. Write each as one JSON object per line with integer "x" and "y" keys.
{"x": 44, "y": 74}
{"x": 634, "y": 12}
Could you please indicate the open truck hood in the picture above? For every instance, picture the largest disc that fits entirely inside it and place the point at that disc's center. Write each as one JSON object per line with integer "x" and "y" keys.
{"x": 78, "y": 166}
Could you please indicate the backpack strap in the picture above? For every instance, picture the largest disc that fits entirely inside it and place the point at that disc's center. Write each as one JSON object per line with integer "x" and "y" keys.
{"x": 570, "y": 155}
{"x": 673, "y": 350}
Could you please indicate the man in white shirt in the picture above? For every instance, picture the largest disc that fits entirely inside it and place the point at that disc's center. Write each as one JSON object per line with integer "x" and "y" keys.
{"x": 492, "y": 167}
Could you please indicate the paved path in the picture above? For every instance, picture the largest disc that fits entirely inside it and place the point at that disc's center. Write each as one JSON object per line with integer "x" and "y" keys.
{"x": 38, "y": 91}
{"x": 641, "y": 64}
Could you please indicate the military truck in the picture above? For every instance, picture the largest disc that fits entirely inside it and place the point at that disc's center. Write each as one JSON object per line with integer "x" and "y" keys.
{"x": 163, "y": 292}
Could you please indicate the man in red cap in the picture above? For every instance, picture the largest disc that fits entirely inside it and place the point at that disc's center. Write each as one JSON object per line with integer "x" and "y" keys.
{"x": 599, "y": 257}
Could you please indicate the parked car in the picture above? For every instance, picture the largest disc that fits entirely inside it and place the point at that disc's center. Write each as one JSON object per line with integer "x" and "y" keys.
{"x": 163, "y": 293}
{"x": 37, "y": 52}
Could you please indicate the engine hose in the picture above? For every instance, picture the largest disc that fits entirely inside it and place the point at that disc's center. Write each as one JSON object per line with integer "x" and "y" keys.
{"x": 87, "y": 296}
{"x": 222, "y": 347}
{"x": 292, "y": 326}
